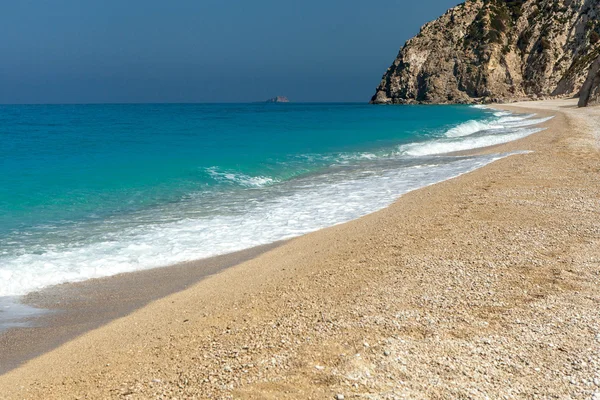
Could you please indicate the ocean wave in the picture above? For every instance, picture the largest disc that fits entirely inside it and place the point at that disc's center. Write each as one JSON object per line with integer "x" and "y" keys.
{"x": 515, "y": 122}
{"x": 356, "y": 184}
{"x": 502, "y": 128}
{"x": 471, "y": 127}
{"x": 473, "y": 134}
{"x": 239, "y": 178}
{"x": 292, "y": 209}
{"x": 502, "y": 120}
{"x": 441, "y": 146}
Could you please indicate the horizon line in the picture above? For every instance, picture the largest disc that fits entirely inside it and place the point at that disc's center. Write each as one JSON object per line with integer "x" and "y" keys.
{"x": 181, "y": 102}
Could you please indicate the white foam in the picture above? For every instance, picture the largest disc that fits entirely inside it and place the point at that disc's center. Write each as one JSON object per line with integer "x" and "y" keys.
{"x": 239, "y": 178}
{"x": 276, "y": 212}
{"x": 313, "y": 203}
{"x": 505, "y": 127}
{"x": 345, "y": 158}
{"x": 503, "y": 120}
{"x": 436, "y": 147}
{"x": 513, "y": 122}
{"x": 471, "y": 127}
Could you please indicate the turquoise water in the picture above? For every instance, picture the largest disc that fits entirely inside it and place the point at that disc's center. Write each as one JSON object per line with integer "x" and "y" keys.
{"x": 93, "y": 190}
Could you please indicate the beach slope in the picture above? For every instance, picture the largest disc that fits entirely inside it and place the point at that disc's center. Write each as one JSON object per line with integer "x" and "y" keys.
{"x": 485, "y": 285}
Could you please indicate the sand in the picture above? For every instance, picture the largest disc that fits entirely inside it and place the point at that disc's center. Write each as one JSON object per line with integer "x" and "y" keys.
{"x": 62, "y": 312}
{"x": 483, "y": 286}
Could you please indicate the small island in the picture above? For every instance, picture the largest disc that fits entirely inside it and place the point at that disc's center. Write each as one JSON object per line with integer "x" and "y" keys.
{"x": 278, "y": 99}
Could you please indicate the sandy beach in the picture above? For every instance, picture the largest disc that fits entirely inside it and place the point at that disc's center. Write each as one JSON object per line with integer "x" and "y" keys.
{"x": 60, "y": 313}
{"x": 482, "y": 286}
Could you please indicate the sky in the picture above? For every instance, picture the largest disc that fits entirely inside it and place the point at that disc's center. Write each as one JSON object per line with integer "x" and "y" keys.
{"x": 124, "y": 51}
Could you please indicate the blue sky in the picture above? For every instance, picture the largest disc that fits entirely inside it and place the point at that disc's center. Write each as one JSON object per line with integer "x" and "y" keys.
{"x": 76, "y": 51}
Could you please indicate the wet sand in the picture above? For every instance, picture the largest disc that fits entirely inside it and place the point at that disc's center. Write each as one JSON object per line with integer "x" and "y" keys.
{"x": 68, "y": 310}
{"x": 485, "y": 285}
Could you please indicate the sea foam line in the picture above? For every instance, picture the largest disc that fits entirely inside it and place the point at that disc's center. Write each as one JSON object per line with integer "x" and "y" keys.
{"x": 504, "y": 128}
{"x": 302, "y": 209}
{"x": 307, "y": 205}
{"x": 239, "y": 178}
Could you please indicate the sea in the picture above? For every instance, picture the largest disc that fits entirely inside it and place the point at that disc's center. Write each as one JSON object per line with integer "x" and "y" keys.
{"x": 88, "y": 191}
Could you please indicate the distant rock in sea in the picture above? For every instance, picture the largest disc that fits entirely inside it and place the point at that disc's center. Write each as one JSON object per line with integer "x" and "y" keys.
{"x": 278, "y": 99}
{"x": 486, "y": 51}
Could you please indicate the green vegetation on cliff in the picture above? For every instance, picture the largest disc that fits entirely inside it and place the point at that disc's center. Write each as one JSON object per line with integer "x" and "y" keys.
{"x": 496, "y": 50}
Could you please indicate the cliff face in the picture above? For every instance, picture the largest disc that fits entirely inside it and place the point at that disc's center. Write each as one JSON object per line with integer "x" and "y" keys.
{"x": 497, "y": 50}
{"x": 590, "y": 92}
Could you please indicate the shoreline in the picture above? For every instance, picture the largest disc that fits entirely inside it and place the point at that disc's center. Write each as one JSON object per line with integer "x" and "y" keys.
{"x": 86, "y": 258}
{"x": 67, "y": 310}
{"x": 70, "y": 309}
{"x": 328, "y": 286}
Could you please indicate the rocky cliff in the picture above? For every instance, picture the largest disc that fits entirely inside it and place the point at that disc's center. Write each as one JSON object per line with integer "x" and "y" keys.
{"x": 486, "y": 51}
{"x": 590, "y": 91}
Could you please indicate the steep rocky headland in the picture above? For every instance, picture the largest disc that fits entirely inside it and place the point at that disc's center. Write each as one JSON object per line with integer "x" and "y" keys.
{"x": 485, "y": 51}
{"x": 590, "y": 92}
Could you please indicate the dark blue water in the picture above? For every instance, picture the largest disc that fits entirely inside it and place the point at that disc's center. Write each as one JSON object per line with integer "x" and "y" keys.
{"x": 93, "y": 190}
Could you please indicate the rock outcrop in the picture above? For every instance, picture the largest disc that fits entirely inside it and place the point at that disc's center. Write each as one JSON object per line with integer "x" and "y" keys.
{"x": 590, "y": 92}
{"x": 278, "y": 99}
{"x": 485, "y": 51}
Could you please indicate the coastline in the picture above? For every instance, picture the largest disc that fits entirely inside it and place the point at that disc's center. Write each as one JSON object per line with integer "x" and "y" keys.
{"x": 56, "y": 314}
{"x": 68, "y": 310}
{"x": 39, "y": 321}
{"x": 261, "y": 328}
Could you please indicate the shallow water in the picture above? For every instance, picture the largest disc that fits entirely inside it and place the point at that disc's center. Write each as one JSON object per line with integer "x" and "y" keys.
{"x": 94, "y": 190}
{"x": 15, "y": 314}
